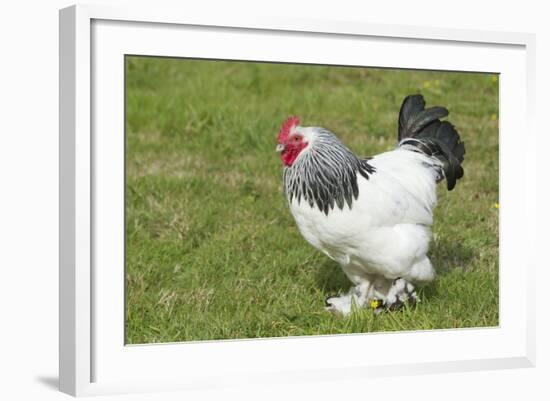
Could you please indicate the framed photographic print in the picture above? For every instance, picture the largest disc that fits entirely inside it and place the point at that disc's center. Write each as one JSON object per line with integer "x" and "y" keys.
{"x": 267, "y": 200}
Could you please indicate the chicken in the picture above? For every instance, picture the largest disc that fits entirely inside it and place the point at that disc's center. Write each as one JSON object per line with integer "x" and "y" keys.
{"x": 372, "y": 216}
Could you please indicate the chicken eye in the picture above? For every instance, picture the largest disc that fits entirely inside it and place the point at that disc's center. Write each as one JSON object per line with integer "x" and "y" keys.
{"x": 296, "y": 139}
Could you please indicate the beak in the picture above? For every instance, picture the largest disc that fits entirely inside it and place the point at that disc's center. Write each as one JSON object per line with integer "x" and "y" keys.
{"x": 280, "y": 147}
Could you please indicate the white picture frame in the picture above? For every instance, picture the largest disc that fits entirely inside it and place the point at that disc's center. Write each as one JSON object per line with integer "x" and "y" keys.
{"x": 93, "y": 356}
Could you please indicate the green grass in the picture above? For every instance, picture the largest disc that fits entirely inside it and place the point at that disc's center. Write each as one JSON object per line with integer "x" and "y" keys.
{"x": 212, "y": 251}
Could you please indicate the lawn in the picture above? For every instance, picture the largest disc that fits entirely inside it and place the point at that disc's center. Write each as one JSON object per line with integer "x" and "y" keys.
{"x": 212, "y": 251}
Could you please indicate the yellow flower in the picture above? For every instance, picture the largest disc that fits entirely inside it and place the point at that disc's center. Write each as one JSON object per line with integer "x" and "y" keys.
{"x": 437, "y": 82}
{"x": 493, "y": 117}
{"x": 497, "y": 206}
{"x": 494, "y": 78}
{"x": 426, "y": 84}
{"x": 374, "y": 303}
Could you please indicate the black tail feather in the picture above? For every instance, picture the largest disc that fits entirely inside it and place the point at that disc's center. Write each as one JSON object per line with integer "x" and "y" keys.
{"x": 431, "y": 136}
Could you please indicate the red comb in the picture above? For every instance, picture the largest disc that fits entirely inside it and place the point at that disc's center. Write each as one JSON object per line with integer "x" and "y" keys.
{"x": 284, "y": 132}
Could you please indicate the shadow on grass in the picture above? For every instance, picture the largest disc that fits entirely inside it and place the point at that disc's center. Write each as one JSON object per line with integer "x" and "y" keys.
{"x": 446, "y": 255}
{"x": 331, "y": 279}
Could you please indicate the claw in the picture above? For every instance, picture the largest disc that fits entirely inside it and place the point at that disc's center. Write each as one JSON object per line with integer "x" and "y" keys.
{"x": 327, "y": 303}
{"x": 400, "y": 292}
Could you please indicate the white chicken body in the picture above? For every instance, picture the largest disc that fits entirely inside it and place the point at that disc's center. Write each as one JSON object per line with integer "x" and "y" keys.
{"x": 387, "y": 230}
{"x": 373, "y": 216}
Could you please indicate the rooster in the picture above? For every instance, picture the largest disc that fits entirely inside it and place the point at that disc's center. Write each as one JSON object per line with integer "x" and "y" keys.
{"x": 373, "y": 216}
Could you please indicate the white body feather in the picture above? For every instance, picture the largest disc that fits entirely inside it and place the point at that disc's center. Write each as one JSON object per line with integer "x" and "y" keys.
{"x": 386, "y": 233}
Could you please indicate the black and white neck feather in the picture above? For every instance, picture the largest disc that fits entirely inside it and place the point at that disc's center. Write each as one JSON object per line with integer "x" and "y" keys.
{"x": 325, "y": 174}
